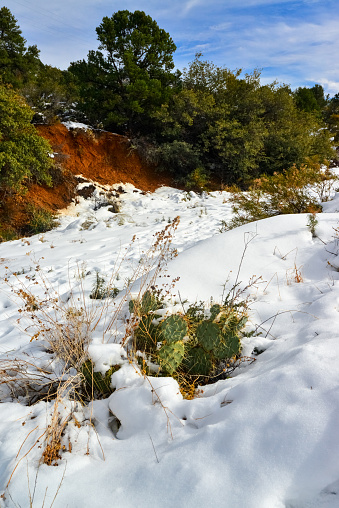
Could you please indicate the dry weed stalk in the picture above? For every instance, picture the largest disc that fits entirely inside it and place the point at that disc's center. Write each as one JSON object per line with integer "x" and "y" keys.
{"x": 294, "y": 275}
{"x": 153, "y": 263}
{"x": 67, "y": 326}
{"x": 56, "y": 428}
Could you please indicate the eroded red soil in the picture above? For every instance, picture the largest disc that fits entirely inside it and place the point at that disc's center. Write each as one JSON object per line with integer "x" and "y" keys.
{"x": 100, "y": 156}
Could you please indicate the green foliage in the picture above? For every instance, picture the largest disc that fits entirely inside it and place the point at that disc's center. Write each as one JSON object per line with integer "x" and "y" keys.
{"x": 312, "y": 100}
{"x": 331, "y": 114}
{"x": 130, "y": 73}
{"x": 177, "y": 157}
{"x": 52, "y": 93}
{"x": 40, "y": 220}
{"x": 23, "y": 153}
{"x": 197, "y": 180}
{"x": 233, "y": 128}
{"x": 282, "y": 193}
{"x": 293, "y": 135}
{"x": 7, "y": 233}
{"x": 312, "y": 223}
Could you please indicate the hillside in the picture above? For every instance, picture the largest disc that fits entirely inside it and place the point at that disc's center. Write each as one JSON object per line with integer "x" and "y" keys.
{"x": 265, "y": 436}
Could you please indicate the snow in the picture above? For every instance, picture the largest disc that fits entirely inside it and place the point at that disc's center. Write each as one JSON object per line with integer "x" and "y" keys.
{"x": 76, "y": 125}
{"x": 266, "y": 437}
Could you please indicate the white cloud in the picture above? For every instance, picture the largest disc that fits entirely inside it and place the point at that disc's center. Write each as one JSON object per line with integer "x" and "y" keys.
{"x": 332, "y": 87}
{"x": 221, "y": 26}
{"x": 191, "y": 4}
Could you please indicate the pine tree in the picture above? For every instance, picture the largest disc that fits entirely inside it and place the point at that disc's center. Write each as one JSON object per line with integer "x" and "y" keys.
{"x": 17, "y": 64}
{"x": 130, "y": 76}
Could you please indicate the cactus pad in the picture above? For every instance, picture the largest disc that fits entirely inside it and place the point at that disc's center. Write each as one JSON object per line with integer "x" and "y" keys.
{"x": 198, "y": 362}
{"x": 215, "y": 310}
{"x": 229, "y": 347}
{"x": 173, "y": 329}
{"x": 146, "y": 335}
{"x": 170, "y": 356}
{"x": 208, "y": 335}
{"x": 149, "y": 302}
{"x": 95, "y": 380}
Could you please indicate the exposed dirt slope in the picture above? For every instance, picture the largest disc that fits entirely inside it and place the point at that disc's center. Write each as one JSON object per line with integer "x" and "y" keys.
{"x": 101, "y": 156}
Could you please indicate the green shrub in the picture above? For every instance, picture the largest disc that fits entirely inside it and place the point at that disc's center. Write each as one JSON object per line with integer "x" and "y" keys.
{"x": 24, "y": 155}
{"x": 40, "y": 220}
{"x": 197, "y": 180}
{"x": 101, "y": 290}
{"x": 292, "y": 191}
{"x": 7, "y": 234}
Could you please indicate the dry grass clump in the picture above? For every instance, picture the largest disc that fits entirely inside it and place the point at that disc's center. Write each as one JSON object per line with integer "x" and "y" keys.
{"x": 24, "y": 380}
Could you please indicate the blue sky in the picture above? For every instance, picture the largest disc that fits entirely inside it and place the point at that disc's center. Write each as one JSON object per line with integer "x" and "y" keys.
{"x": 293, "y": 42}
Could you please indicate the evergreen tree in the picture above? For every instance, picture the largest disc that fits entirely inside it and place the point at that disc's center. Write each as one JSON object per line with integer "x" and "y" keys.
{"x": 130, "y": 75}
{"x": 332, "y": 116}
{"x": 311, "y": 100}
{"x": 17, "y": 64}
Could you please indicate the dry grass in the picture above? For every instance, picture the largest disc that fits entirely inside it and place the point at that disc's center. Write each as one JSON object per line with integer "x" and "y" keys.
{"x": 64, "y": 330}
{"x": 294, "y": 275}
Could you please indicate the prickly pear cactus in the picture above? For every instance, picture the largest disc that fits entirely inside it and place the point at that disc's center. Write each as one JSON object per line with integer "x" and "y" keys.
{"x": 173, "y": 329}
{"x": 148, "y": 303}
{"x": 230, "y": 346}
{"x": 132, "y": 306}
{"x": 232, "y": 322}
{"x": 170, "y": 356}
{"x": 208, "y": 335}
{"x": 198, "y": 362}
{"x": 214, "y": 311}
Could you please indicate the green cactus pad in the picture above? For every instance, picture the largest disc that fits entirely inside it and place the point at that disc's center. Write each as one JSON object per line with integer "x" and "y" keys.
{"x": 132, "y": 306}
{"x": 215, "y": 310}
{"x": 229, "y": 347}
{"x": 198, "y": 362}
{"x": 173, "y": 329}
{"x": 208, "y": 335}
{"x": 233, "y": 323}
{"x": 149, "y": 302}
{"x": 170, "y": 356}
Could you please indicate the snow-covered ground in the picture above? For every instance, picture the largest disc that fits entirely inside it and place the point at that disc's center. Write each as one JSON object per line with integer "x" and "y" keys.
{"x": 268, "y": 437}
